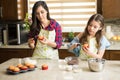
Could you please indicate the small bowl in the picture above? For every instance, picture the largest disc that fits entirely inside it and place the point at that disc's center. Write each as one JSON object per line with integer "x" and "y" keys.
{"x": 72, "y": 60}
{"x": 96, "y": 64}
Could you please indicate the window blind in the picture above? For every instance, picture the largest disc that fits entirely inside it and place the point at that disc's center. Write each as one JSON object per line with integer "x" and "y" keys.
{"x": 69, "y": 13}
{"x": 19, "y": 9}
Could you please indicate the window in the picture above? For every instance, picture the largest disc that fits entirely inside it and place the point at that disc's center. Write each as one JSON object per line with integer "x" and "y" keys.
{"x": 21, "y": 9}
{"x": 71, "y": 14}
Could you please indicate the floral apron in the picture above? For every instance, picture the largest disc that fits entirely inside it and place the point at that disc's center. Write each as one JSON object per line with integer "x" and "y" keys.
{"x": 93, "y": 48}
{"x": 45, "y": 51}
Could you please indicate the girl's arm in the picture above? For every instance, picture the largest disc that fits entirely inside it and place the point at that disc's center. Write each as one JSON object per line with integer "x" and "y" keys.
{"x": 73, "y": 43}
{"x": 104, "y": 44}
{"x": 58, "y": 38}
{"x": 99, "y": 54}
{"x": 73, "y": 46}
{"x": 31, "y": 43}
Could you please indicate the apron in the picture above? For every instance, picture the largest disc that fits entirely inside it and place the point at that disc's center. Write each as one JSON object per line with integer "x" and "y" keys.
{"x": 93, "y": 48}
{"x": 45, "y": 51}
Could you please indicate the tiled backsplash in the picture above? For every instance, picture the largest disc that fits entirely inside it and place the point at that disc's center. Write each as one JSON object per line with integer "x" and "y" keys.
{"x": 115, "y": 28}
{"x": 73, "y": 29}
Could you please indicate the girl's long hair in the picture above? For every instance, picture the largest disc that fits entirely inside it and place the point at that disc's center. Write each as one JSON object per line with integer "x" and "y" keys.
{"x": 35, "y": 27}
{"x": 98, "y": 18}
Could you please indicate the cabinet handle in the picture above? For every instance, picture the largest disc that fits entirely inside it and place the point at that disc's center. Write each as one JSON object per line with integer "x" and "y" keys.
{"x": 1, "y": 15}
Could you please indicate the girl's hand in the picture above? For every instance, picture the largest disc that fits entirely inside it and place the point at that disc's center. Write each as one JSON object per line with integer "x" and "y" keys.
{"x": 31, "y": 43}
{"x": 87, "y": 50}
{"x": 44, "y": 41}
{"x": 40, "y": 37}
{"x": 75, "y": 45}
{"x": 85, "y": 47}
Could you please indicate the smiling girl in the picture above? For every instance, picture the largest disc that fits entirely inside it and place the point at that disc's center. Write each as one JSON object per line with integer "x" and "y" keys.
{"x": 49, "y": 29}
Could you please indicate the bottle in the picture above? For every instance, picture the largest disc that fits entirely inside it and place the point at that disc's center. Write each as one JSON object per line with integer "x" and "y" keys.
{"x": 4, "y": 36}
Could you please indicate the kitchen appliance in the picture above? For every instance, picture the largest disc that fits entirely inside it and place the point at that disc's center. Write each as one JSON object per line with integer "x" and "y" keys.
{"x": 14, "y": 33}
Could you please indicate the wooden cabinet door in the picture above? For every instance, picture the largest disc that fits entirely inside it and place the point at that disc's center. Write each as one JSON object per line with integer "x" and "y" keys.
{"x": 9, "y": 9}
{"x": 115, "y": 55}
{"x": 64, "y": 53}
{"x": 6, "y": 54}
{"x": 13, "y": 9}
{"x": 111, "y": 9}
{"x": 112, "y": 55}
{"x": 107, "y": 55}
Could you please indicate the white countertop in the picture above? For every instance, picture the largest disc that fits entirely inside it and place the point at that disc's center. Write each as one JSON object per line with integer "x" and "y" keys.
{"x": 111, "y": 71}
{"x": 114, "y": 46}
{"x": 25, "y": 46}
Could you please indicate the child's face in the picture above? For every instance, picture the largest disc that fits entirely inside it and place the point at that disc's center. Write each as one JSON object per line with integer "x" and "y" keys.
{"x": 93, "y": 27}
{"x": 41, "y": 14}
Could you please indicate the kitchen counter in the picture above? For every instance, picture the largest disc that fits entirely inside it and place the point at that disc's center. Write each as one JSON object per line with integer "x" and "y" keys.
{"x": 25, "y": 46}
{"x": 114, "y": 46}
{"x": 111, "y": 71}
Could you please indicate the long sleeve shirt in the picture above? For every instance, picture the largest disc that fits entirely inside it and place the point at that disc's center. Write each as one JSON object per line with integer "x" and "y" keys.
{"x": 52, "y": 26}
{"x": 104, "y": 44}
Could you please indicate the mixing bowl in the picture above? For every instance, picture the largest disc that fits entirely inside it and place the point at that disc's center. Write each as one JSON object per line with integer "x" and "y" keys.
{"x": 96, "y": 64}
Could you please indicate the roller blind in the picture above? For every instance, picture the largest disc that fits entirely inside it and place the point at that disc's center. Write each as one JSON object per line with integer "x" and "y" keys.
{"x": 69, "y": 13}
{"x": 19, "y": 9}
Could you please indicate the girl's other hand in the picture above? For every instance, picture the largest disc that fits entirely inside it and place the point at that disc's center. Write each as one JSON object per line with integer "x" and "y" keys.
{"x": 76, "y": 45}
{"x": 31, "y": 43}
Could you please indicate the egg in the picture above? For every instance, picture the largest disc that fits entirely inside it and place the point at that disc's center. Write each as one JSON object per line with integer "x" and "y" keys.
{"x": 69, "y": 68}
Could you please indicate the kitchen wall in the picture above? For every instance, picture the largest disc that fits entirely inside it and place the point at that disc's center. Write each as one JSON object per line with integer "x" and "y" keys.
{"x": 112, "y": 28}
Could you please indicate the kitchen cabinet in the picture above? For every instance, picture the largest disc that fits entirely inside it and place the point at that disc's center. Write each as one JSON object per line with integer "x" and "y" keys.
{"x": 109, "y": 54}
{"x": 13, "y": 9}
{"x": 8, "y": 53}
{"x": 110, "y": 9}
{"x": 113, "y": 54}
{"x": 64, "y": 53}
